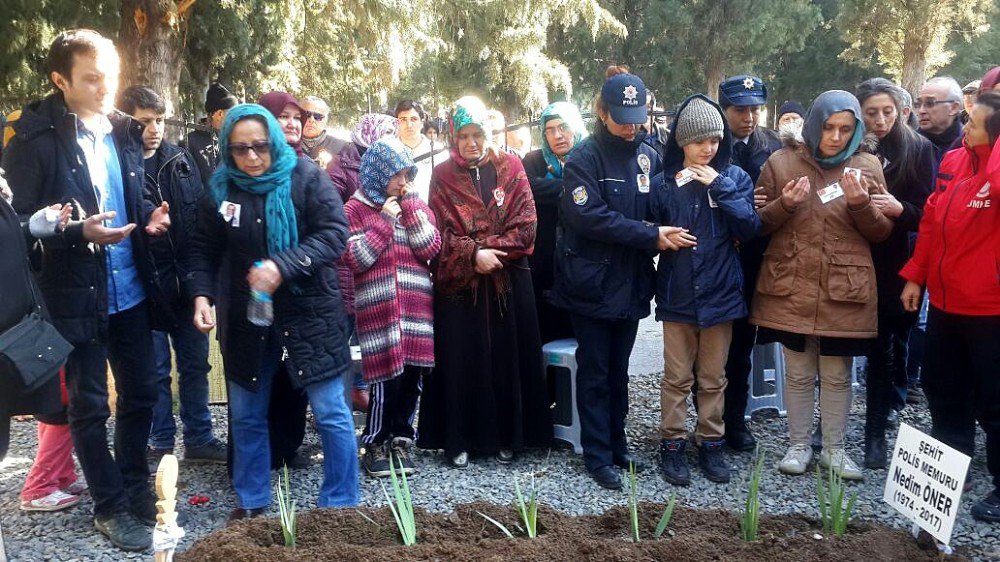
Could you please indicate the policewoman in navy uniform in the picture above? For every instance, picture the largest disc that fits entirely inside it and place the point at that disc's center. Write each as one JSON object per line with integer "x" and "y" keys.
{"x": 604, "y": 265}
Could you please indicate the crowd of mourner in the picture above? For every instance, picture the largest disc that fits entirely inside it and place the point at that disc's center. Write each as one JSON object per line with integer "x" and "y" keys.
{"x": 866, "y": 225}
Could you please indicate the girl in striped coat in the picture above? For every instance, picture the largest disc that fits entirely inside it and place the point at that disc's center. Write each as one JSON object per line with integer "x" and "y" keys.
{"x": 393, "y": 236}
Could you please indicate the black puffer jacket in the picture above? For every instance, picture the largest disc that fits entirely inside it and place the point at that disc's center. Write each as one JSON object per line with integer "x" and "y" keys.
{"x": 176, "y": 181}
{"x": 308, "y": 310}
{"x": 45, "y": 165}
{"x": 17, "y": 301}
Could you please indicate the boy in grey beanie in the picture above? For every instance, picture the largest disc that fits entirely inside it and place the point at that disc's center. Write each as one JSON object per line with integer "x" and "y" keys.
{"x": 699, "y": 282}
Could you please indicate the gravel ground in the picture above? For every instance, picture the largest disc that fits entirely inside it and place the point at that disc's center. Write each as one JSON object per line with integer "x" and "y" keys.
{"x": 561, "y": 480}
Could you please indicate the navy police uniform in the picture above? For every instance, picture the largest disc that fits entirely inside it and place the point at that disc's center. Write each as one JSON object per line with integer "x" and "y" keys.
{"x": 604, "y": 270}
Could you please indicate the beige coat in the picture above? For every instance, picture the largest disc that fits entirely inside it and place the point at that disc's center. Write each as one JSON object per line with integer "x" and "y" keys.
{"x": 817, "y": 276}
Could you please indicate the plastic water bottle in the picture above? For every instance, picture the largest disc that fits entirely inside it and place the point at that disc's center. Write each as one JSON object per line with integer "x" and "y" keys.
{"x": 260, "y": 310}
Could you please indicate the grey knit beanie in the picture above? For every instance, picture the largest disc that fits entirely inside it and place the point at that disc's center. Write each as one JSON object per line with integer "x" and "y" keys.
{"x": 698, "y": 120}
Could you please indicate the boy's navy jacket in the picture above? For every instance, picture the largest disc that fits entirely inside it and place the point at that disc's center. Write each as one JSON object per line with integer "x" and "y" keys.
{"x": 604, "y": 260}
{"x": 703, "y": 285}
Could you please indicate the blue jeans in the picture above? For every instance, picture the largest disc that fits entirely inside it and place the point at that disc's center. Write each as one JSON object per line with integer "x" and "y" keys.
{"x": 191, "y": 347}
{"x": 252, "y": 449}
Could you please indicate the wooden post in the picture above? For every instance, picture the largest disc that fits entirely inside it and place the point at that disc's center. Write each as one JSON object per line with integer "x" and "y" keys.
{"x": 166, "y": 534}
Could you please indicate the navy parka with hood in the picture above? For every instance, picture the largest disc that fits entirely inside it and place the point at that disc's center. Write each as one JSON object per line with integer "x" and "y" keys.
{"x": 604, "y": 265}
{"x": 45, "y": 165}
{"x": 703, "y": 285}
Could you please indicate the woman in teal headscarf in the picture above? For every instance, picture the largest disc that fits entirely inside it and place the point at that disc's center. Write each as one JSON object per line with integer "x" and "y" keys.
{"x": 271, "y": 230}
{"x": 562, "y": 128}
{"x": 816, "y": 293}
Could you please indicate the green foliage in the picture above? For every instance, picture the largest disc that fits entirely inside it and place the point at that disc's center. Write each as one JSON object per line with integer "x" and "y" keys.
{"x": 528, "y": 510}
{"x": 750, "y": 514}
{"x": 830, "y": 498}
{"x": 402, "y": 509}
{"x": 973, "y": 57}
{"x": 633, "y": 502}
{"x": 909, "y": 37}
{"x": 286, "y": 510}
{"x": 668, "y": 514}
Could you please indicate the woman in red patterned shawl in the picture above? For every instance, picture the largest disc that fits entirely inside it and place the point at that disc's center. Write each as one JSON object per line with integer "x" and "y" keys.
{"x": 487, "y": 394}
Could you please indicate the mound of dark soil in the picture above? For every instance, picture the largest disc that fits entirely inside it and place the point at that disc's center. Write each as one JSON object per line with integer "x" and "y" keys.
{"x": 463, "y": 535}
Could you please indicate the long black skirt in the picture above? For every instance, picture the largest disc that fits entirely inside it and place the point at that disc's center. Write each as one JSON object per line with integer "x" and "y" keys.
{"x": 487, "y": 391}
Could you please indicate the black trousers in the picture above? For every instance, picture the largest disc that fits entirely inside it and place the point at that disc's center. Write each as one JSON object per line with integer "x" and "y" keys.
{"x": 114, "y": 481}
{"x": 886, "y": 368}
{"x": 392, "y": 407}
{"x": 602, "y": 354}
{"x": 961, "y": 379}
{"x": 286, "y": 419}
{"x": 738, "y": 367}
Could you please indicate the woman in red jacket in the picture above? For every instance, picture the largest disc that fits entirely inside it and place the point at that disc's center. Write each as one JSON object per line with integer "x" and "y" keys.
{"x": 958, "y": 258}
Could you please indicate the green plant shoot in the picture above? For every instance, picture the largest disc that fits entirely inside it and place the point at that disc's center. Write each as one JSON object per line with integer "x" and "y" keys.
{"x": 499, "y": 525}
{"x": 402, "y": 509}
{"x": 830, "y": 496}
{"x": 286, "y": 510}
{"x": 668, "y": 513}
{"x": 633, "y": 502}
{"x": 750, "y": 515}
{"x": 529, "y": 511}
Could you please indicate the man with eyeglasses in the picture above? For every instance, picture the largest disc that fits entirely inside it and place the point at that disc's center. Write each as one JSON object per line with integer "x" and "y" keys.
{"x": 317, "y": 142}
{"x": 938, "y": 107}
{"x": 410, "y": 115}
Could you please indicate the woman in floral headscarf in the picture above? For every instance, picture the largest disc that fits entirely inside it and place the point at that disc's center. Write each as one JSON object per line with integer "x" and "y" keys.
{"x": 487, "y": 392}
{"x": 562, "y": 128}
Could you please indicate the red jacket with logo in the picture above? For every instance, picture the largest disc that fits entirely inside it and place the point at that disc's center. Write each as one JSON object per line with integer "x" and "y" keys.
{"x": 958, "y": 246}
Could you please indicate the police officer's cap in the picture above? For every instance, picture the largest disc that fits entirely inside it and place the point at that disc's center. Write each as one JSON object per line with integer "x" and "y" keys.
{"x": 742, "y": 90}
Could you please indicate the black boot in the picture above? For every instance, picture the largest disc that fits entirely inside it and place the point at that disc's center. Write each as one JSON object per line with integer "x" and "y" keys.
{"x": 673, "y": 465}
{"x": 739, "y": 437}
{"x": 713, "y": 462}
{"x": 876, "y": 450}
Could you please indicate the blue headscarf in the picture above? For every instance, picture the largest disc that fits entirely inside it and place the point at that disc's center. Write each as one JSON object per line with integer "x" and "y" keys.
{"x": 385, "y": 158}
{"x": 828, "y": 103}
{"x": 570, "y": 115}
{"x": 276, "y": 182}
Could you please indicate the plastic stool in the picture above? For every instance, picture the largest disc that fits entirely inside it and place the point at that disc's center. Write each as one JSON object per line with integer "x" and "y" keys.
{"x": 560, "y": 356}
{"x": 767, "y": 371}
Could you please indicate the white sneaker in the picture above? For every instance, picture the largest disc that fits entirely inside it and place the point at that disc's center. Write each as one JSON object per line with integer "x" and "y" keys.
{"x": 841, "y": 463}
{"x": 796, "y": 460}
{"x": 53, "y": 502}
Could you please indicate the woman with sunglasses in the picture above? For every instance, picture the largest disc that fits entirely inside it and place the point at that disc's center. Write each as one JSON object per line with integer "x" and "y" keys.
{"x": 289, "y": 234}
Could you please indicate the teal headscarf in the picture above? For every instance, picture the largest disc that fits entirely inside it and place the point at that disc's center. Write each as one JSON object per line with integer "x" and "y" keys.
{"x": 828, "y": 103}
{"x": 570, "y": 116}
{"x": 276, "y": 182}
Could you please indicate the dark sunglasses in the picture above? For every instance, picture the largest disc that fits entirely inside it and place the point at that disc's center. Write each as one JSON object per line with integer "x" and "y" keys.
{"x": 241, "y": 150}
{"x": 317, "y": 116}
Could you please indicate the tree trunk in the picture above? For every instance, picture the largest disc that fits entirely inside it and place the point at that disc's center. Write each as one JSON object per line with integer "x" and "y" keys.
{"x": 713, "y": 77}
{"x": 150, "y": 43}
{"x": 914, "y": 66}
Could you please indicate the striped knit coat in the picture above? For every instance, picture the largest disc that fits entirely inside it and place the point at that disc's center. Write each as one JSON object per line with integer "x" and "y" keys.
{"x": 393, "y": 296}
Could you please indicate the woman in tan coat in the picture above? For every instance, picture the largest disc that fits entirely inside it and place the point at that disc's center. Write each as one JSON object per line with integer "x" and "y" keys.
{"x": 816, "y": 294}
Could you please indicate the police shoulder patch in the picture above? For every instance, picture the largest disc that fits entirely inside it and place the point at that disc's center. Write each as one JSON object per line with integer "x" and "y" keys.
{"x": 580, "y": 195}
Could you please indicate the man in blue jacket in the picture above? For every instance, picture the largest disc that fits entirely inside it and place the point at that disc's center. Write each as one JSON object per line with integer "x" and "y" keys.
{"x": 172, "y": 179}
{"x": 742, "y": 98}
{"x": 604, "y": 266}
{"x": 73, "y": 148}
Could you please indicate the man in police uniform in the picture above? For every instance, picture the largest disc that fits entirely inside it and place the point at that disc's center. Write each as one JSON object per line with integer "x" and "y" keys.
{"x": 742, "y": 98}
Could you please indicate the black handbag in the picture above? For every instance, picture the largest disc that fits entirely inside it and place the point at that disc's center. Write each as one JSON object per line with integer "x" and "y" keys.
{"x": 32, "y": 350}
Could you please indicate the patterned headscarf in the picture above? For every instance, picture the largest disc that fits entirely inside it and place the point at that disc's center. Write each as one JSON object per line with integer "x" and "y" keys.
{"x": 373, "y": 126}
{"x": 468, "y": 110}
{"x": 384, "y": 159}
{"x": 570, "y": 115}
